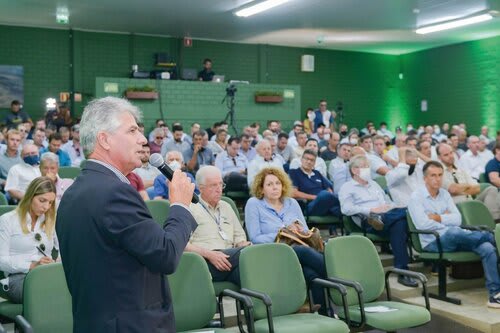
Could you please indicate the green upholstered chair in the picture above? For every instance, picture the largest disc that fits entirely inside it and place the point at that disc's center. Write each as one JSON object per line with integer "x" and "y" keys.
{"x": 482, "y": 178}
{"x": 484, "y": 186}
{"x": 6, "y": 208}
{"x": 476, "y": 214}
{"x": 193, "y": 296}
{"x": 159, "y": 210}
{"x": 382, "y": 182}
{"x": 354, "y": 262}
{"x": 233, "y": 206}
{"x": 272, "y": 275}
{"x": 3, "y": 199}
{"x": 69, "y": 172}
{"x": 46, "y": 301}
{"x": 442, "y": 259}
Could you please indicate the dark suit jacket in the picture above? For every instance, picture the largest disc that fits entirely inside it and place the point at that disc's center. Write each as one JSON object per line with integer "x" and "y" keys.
{"x": 115, "y": 256}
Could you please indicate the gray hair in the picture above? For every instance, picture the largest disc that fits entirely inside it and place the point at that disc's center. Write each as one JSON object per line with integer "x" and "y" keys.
{"x": 358, "y": 161}
{"x": 204, "y": 172}
{"x": 174, "y": 152}
{"x": 470, "y": 138}
{"x": 102, "y": 115}
{"x": 158, "y": 131}
{"x": 261, "y": 143}
{"x": 49, "y": 157}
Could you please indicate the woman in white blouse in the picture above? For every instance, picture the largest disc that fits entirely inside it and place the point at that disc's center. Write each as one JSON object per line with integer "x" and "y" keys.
{"x": 27, "y": 236}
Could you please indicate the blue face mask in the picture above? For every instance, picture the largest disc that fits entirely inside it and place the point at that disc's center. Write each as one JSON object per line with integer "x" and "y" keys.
{"x": 32, "y": 159}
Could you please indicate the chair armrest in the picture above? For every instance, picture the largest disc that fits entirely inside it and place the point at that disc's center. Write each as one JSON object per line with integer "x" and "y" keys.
{"x": 326, "y": 284}
{"x": 436, "y": 235}
{"x": 23, "y": 324}
{"x": 267, "y": 302}
{"x": 419, "y": 276}
{"x": 247, "y": 308}
{"x": 359, "y": 291}
{"x": 477, "y": 228}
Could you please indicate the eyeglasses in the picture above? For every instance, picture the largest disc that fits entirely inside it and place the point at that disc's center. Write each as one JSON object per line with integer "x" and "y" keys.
{"x": 159, "y": 138}
{"x": 309, "y": 159}
{"x": 212, "y": 186}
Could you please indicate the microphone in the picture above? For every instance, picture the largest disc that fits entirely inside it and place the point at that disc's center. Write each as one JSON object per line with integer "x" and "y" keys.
{"x": 157, "y": 161}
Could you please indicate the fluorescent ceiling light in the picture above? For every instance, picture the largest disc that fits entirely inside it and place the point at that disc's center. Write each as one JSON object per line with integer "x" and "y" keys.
{"x": 260, "y": 7}
{"x": 454, "y": 24}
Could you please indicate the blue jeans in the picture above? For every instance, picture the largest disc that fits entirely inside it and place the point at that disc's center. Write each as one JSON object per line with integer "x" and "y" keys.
{"x": 480, "y": 242}
{"x": 313, "y": 266}
{"x": 395, "y": 227}
{"x": 326, "y": 203}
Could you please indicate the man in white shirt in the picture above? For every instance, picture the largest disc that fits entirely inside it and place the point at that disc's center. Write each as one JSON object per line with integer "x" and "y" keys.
{"x": 378, "y": 166}
{"x": 146, "y": 171}
{"x": 393, "y": 153}
{"x": 73, "y": 148}
{"x": 21, "y": 174}
{"x": 264, "y": 159}
{"x": 177, "y": 143}
{"x": 472, "y": 161}
{"x": 404, "y": 179}
{"x": 298, "y": 150}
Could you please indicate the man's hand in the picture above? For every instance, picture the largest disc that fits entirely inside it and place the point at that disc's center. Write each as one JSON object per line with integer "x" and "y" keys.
{"x": 196, "y": 148}
{"x": 180, "y": 189}
{"x": 381, "y": 209}
{"x": 219, "y": 260}
{"x": 435, "y": 217}
{"x": 52, "y": 176}
{"x": 402, "y": 154}
{"x": 243, "y": 244}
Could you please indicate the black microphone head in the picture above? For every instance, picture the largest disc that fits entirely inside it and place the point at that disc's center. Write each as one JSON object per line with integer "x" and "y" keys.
{"x": 156, "y": 160}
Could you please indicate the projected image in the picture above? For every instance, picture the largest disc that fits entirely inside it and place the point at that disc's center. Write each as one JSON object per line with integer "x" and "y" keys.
{"x": 11, "y": 85}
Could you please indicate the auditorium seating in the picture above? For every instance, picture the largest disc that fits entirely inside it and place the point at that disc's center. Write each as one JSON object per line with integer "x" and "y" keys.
{"x": 193, "y": 296}
{"x": 348, "y": 259}
{"x": 476, "y": 215}
{"x": 159, "y": 210}
{"x": 3, "y": 199}
{"x": 441, "y": 259}
{"x": 272, "y": 275}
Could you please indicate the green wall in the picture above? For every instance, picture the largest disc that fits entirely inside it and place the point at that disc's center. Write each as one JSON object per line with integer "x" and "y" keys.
{"x": 460, "y": 82}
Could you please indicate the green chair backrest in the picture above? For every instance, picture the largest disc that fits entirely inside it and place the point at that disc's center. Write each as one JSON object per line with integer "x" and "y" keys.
{"x": 350, "y": 226}
{"x": 159, "y": 210}
{"x": 483, "y": 186}
{"x": 275, "y": 270}
{"x": 193, "y": 295}
{"x": 355, "y": 258}
{"x": 47, "y": 301}
{"x": 233, "y": 206}
{"x": 497, "y": 237}
{"x": 69, "y": 172}
{"x": 6, "y": 208}
{"x": 3, "y": 199}
{"x": 475, "y": 213}
{"x": 381, "y": 181}
{"x": 415, "y": 239}
{"x": 482, "y": 178}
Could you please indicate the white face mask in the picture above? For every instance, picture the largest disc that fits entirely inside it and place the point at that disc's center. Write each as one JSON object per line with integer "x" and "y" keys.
{"x": 409, "y": 128}
{"x": 174, "y": 165}
{"x": 353, "y": 141}
{"x": 326, "y": 137}
{"x": 364, "y": 173}
{"x": 437, "y": 130}
{"x": 311, "y": 116}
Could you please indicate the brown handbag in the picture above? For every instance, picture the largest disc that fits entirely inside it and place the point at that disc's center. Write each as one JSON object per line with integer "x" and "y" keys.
{"x": 309, "y": 238}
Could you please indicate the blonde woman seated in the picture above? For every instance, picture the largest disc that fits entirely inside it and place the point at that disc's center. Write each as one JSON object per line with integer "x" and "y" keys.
{"x": 271, "y": 209}
{"x": 27, "y": 236}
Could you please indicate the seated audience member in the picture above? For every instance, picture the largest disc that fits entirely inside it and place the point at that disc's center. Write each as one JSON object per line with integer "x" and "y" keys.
{"x": 11, "y": 156}
{"x": 136, "y": 182}
{"x": 366, "y": 202}
{"x": 298, "y": 149}
{"x": 218, "y": 145}
{"x": 411, "y": 142}
{"x": 39, "y": 138}
{"x": 264, "y": 159}
{"x": 484, "y": 151}
{"x": 206, "y": 74}
{"x": 338, "y": 171}
{"x": 462, "y": 186}
{"x": 492, "y": 169}
{"x": 424, "y": 149}
{"x": 195, "y": 127}
{"x": 158, "y": 141}
{"x": 378, "y": 166}
{"x": 55, "y": 142}
{"x": 23, "y": 131}
{"x": 437, "y": 135}
{"x": 198, "y": 155}
{"x": 16, "y": 116}
{"x": 175, "y": 161}
{"x": 274, "y": 127}
{"x": 330, "y": 151}
{"x": 383, "y": 131}
{"x": 283, "y": 148}
{"x": 27, "y": 236}
{"x": 379, "y": 150}
{"x": 73, "y": 148}
{"x": 49, "y": 167}
{"x": 146, "y": 171}
{"x": 472, "y": 161}
{"x": 493, "y": 143}
{"x": 484, "y": 135}
{"x": 292, "y": 135}
{"x": 177, "y": 143}
{"x": 311, "y": 185}
{"x": 321, "y": 135}
{"x": 271, "y": 209}
{"x": 432, "y": 208}
{"x": 399, "y": 141}
{"x": 453, "y": 142}
{"x": 405, "y": 178}
{"x": 64, "y": 131}
{"x": 246, "y": 147}
{"x": 160, "y": 123}
{"x": 219, "y": 237}
{"x": 320, "y": 164}
{"x": 21, "y": 174}
{"x": 233, "y": 166}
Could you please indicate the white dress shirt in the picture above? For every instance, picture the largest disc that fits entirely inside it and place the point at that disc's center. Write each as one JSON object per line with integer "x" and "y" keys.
{"x": 76, "y": 155}
{"x": 473, "y": 164}
{"x": 20, "y": 176}
{"x": 258, "y": 163}
{"x": 339, "y": 173}
{"x": 401, "y": 185}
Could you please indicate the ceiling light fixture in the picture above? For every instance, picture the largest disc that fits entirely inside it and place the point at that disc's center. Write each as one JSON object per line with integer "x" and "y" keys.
{"x": 62, "y": 15}
{"x": 454, "y": 24}
{"x": 260, "y": 7}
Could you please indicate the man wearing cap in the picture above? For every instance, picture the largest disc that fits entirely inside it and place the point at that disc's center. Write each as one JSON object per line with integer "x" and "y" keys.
{"x": 72, "y": 147}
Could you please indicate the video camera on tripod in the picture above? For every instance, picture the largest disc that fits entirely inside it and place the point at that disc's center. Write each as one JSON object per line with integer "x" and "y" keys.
{"x": 231, "y": 90}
